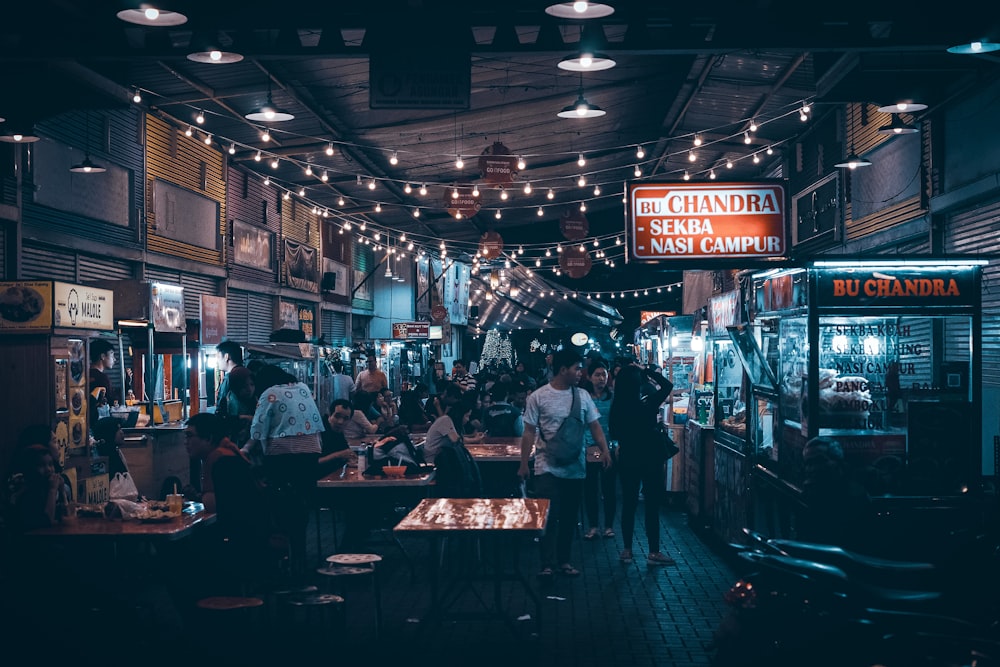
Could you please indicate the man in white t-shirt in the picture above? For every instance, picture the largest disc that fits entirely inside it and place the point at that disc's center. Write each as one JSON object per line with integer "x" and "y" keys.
{"x": 544, "y": 413}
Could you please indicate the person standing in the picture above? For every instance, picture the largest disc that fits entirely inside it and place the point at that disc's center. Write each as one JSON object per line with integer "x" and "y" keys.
{"x": 343, "y": 383}
{"x": 640, "y": 459}
{"x": 371, "y": 380}
{"x": 287, "y": 426}
{"x": 546, "y": 410}
{"x": 601, "y": 481}
{"x": 102, "y": 360}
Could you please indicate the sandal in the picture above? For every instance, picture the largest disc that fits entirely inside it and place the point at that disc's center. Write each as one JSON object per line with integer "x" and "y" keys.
{"x": 545, "y": 574}
{"x": 626, "y": 556}
{"x": 568, "y": 570}
{"x": 591, "y": 534}
{"x": 657, "y": 558}
{"x": 608, "y": 532}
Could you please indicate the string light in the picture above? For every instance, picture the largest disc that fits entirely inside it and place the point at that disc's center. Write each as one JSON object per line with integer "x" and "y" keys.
{"x": 340, "y": 200}
{"x": 378, "y": 209}
{"x": 267, "y": 180}
{"x": 265, "y": 136}
{"x": 136, "y": 96}
{"x": 407, "y": 188}
{"x": 597, "y": 190}
{"x": 687, "y": 176}
{"x": 208, "y": 140}
{"x": 302, "y": 192}
{"x": 527, "y": 188}
{"x": 200, "y": 118}
{"x": 459, "y": 163}
{"x": 746, "y": 138}
{"x": 520, "y": 163}
{"x": 497, "y": 214}
{"x": 371, "y": 184}
{"x": 639, "y": 153}
{"x": 309, "y": 170}
{"x": 256, "y": 158}
{"x": 697, "y": 140}
{"x": 549, "y": 195}
{"x": 581, "y": 161}
{"x": 232, "y": 149}
{"x": 394, "y": 160}
{"x": 274, "y": 163}
{"x": 691, "y": 156}
{"x": 503, "y": 193}
{"x": 583, "y": 206}
{"x": 540, "y": 212}
{"x": 637, "y": 172}
{"x": 188, "y": 132}
{"x": 329, "y": 149}
{"x": 582, "y": 181}
{"x": 423, "y": 189}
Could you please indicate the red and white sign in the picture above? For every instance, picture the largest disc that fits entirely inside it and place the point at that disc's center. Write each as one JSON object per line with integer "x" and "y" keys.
{"x": 702, "y": 220}
{"x": 407, "y": 330}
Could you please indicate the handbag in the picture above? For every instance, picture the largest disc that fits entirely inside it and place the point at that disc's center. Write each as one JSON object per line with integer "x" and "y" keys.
{"x": 563, "y": 447}
{"x": 668, "y": 448}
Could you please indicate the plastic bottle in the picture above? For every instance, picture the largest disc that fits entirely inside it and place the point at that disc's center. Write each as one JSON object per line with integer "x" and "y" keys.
{"x": 362, "y": 460}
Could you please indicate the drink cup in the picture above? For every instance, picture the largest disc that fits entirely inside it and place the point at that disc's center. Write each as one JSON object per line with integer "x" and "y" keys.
{"x": 175, "y": 503}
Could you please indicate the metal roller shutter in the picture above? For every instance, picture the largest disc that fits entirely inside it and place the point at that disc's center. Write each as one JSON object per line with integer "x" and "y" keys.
{"x": 973, "y": 232}
{"x": 44, "y": 264}
{"x": 104, "y": 268}
{"x": 194, "y": 286}
{"x": 236, "y": 316}
{"x": 334, "y": 325}
{"x": 260, "y": 318}
{"x": 157, "y": 274}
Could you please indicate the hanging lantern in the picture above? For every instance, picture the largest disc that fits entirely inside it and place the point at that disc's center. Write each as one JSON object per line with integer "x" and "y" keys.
{"x": 575, "y": 262}
{"x": 490, "y": 245}
{"x": 574, "y": 225}
{"x": 497, "y": 165}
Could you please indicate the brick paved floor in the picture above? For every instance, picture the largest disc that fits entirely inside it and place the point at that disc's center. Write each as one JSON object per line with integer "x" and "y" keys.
{"x": 612, "y": 614}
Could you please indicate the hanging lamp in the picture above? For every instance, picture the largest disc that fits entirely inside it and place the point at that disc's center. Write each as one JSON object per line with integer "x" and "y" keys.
{"x": 269, "y": 113}
{"x": 87, "y": 166}
{"x": 581, "y": 108}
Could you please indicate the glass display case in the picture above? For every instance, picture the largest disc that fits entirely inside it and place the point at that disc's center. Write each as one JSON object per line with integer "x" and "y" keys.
{"x": 881, "y": 357}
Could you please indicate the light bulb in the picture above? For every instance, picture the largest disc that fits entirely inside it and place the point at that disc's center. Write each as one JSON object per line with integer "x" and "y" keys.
{"x": 711, "y": 174}
{"x": 697, "y": 140}
{"x": 454, "y": 193}
{"x": 208, "y": 139}
{"x": 347, "y": 225}
{"x": 136, "y": 96}
{"x": 302, "y": 192}
{"x": 394, "y": 160}
{"x": 756, "y": 158}
{"x": 540, "y": 212}
{"x": 729, "y": 164}
{"x": 582, "y": 181}
{"x": 232, "y": 149}
{"x": 371, "y": 184}
{"x": 597, "y": 190}
{"x": 475, "y": 190}
{"x": 639, "y": 153}
{"x": 407, "y": 188}
{"x": 256, "y": 158}
{"x": 188, "y": 132}
{"x": 581, "y": 160}
{"x": 637, "y": 172}
{"x": 597, "y": 244}
{"x": 329, "y": 149}
{"x": 583, "y": 206}
{"x": 265, "y": 135}
{"x": 527, "y": 188}
{"x": 753, "y": 125}
{"x": 325, "y": 177}
{"x": 746, "y": 138}
{"x": 618, "y": 240}
{"x": 423, "y": 189}
{"x": 770, "y": 151}
{"x": 550, "y": 194}
{"x": 287, "y": 195}
{"x": 309, "y": 170}
{"x": 274, "y": 163}
{"x": 503, "y": 193}
{"x": 459, "y": 163}
{"x": 691, "y": 156}
{"x": 520, "y": 164}
{"x": 378, "y": 209}
{"x": 497, "y": 214}
{"x": 340, "y": 201}
{"x": 687, "y": 176}
{"x": 200, "y": 118}
{"x": 267, "y": 180}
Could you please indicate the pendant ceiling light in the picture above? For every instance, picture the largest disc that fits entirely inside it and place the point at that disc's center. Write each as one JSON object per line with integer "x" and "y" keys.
{"x": 972, "y": 48}
{"x": 903, "y": 107}
{"x": 853, "y": 160}
{"x": 17, "y": 137}
{"x": 897, "y": 126}
{"x": 269, "y": 113}
{"x": 215, "y": 57}
{"x": 579, "y": 10}
{"x": 87, "y": 166}
{"x": 587, "y": 62}
{"x": 147, "y": 14}
{"x": 581, "y": 108}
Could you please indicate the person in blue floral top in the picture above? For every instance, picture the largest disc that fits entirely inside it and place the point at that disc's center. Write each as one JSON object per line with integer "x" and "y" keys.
{"x": 286, "y": 427}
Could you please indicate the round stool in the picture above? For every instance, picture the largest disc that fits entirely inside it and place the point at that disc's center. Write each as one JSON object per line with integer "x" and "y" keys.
{"x": 237, "y": 616}
{"x": 223, "y": 603}
{"x": 347, "y": 565}
{"x": 321, "y": 602}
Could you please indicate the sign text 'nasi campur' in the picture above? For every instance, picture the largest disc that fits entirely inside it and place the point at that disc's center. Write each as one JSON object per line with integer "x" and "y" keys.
{"x": 694, "y": 220}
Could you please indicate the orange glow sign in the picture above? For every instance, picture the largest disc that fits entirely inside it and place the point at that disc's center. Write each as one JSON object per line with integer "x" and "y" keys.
{"x": 705, "y": 220}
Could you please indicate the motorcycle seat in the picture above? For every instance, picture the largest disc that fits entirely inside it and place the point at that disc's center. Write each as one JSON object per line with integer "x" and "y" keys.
{"x": 848, "y": 560}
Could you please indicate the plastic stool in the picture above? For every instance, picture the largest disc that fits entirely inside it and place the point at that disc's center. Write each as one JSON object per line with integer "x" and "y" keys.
{"x": 223, "y": 603}
{"x": 319, "y": 601}
{"x": 346, "y": 565}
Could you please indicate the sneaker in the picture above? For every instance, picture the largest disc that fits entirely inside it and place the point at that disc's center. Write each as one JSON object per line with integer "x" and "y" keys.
{"x": 657, "y": 558}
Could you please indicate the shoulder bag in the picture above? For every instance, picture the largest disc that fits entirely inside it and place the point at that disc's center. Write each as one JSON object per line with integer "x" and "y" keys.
{"x": 565, "y": 445}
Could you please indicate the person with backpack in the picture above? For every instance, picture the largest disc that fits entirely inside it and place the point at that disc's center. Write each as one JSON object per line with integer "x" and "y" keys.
{"x": 456, "y": 471}
{"x": 555, "y": 417}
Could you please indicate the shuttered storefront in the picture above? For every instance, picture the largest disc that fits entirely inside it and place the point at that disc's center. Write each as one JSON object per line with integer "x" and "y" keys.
{"x": 363, "y": 264}
{"x": 249, "y": 317}
{"x": 972, "y": 232}
{"x": 334, "y": 325}
{"x": 104, "y": 268}
{"x": 39, "y": 263}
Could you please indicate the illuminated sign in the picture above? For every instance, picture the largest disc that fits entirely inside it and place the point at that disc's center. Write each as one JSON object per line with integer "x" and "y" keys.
{"x": 408, "y": 330}
{"x": 897, "y": 286}
{"x": 700, "y": 220}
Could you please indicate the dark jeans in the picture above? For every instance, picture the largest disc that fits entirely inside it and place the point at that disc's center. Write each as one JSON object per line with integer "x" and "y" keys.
{"x": 650, "y": 477}
{"x": 600, "y": 483}
{"x": 291, "y": 481}
{"x": 564, "y": 495}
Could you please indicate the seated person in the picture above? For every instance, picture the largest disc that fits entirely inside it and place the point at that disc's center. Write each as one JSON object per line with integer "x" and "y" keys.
{"x": 359, "y": 426}
{"x": 502, "y": 419}
{"x": 457, "y": 473}
{"x": 36, "y": 497}
{"x": 438, "y": 404}
{"x": 385, "y": 403}
{"x": 448, "y": 428}
{"x": 411, "y": 409}
{"x": 336, "y": 452}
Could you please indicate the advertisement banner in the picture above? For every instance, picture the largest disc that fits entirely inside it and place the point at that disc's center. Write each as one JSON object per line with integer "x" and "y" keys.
{"x": 168, "y": 308}
{"x": 82, "y": 307}
{"x": 213, "y": 319}
{"x": 705, "y": 221}
{"x": 252, "y": 246}
{"x": 25, "y": 305}
{"x": 410, "y": 330}
{"x": 897, "y": 286}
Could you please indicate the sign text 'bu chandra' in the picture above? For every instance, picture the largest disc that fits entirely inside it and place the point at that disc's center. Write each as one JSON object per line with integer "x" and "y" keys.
{"x": 698, "y": 220}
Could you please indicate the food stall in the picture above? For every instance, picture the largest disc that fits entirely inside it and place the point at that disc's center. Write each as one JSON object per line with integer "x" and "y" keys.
{"x": 728, "y": 409}
{"x": 150, "y": 320}
{"x": 882, "y": 356}
{"x": 46, "y": 329}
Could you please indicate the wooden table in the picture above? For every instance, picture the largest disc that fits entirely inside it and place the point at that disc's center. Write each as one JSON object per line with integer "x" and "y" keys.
{"x": 502, "y": 523}
{"x": 348, "y": 489}
{"x": 499, "y": 460}
{"x": 115, "y": 529}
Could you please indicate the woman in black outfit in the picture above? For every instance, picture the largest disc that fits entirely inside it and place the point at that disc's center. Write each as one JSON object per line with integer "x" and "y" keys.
{"x": 633, "y": 424}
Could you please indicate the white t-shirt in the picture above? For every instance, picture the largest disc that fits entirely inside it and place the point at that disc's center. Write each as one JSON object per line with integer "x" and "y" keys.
{"x": 546, "y": 409}
{"x": 440, "y": 432}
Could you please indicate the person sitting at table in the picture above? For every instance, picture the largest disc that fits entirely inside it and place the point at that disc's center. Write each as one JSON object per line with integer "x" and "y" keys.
{"x": 448, "y": 428}
{"x": 502, "y": 419}
{"x": 336, "y": 451}
{"x": 359, "y": 426}
{"x": 456, "y": 472}
{"x": 411, "y": 409}
{"x": 385, "y": 403}
{"x": 37, "y": 496}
